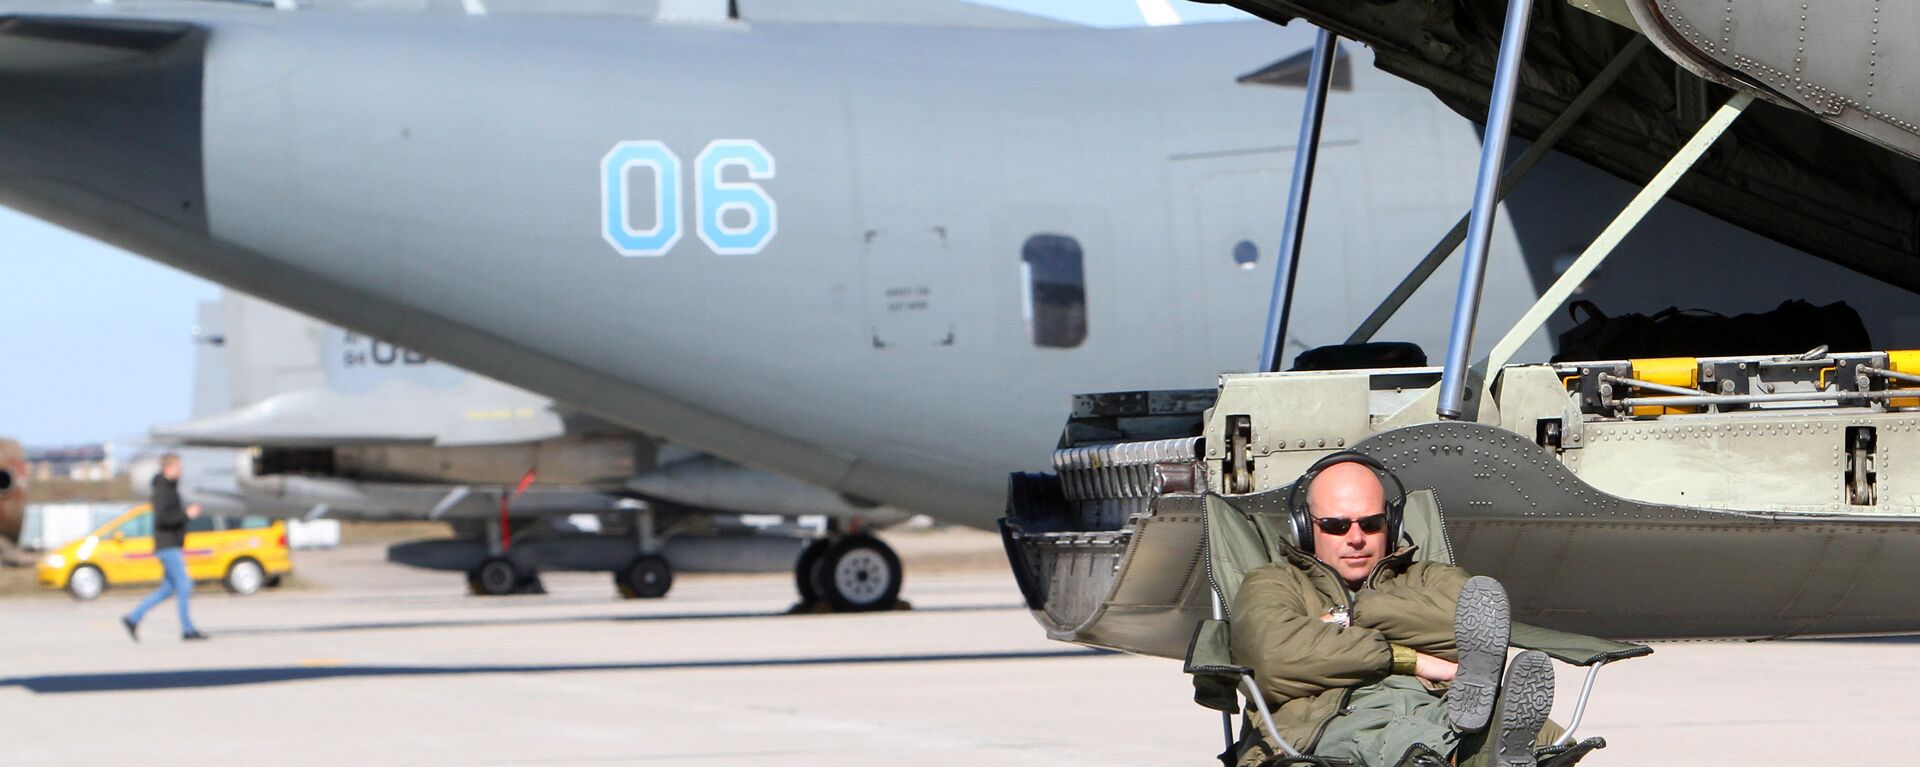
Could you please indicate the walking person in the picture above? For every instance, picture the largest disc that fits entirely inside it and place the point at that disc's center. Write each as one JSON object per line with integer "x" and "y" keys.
{"x": 169, "y": 534}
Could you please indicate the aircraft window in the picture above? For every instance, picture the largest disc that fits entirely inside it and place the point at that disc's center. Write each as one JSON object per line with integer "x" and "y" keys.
{"x": 1056, "y": 297}
{"x": 1246, "y": 254}
{"x": 138, "y": 527}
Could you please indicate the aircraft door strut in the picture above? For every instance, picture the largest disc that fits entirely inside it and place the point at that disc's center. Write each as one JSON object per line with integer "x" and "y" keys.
{"x": 1536, "y": 151}
{"x": 1493, "y": 152}
{"x": 1603, "y": 245}
{"x": 1305, "y": 153}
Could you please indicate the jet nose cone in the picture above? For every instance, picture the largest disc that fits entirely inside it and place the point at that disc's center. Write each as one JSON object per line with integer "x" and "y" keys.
{"x": 100, "y": 123}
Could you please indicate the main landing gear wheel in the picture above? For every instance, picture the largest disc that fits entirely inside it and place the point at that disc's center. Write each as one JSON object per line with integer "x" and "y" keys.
{"x": 86, "y": 582}
{"x": 496, "y": 577}
{"x": 858, "y": 573}
{"x": 803, "y": 570}
{"x": 646, "y": 577}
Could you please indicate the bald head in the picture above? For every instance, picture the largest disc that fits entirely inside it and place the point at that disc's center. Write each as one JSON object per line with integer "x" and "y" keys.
{"x": 1352, "y": 492}
{"x": 1347, "y": 485}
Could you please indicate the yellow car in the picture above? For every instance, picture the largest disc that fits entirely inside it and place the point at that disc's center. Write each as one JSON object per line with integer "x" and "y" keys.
{"x": 244, "y": 553}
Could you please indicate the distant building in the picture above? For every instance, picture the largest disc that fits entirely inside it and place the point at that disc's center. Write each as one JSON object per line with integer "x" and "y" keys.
{"x": 92, "y": 463}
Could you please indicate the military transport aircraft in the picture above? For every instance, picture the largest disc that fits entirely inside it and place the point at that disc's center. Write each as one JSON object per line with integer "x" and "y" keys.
{"x": 340, "y": 425}
{"x": 872, "y": 246}
{"x": 1753, "y": 492}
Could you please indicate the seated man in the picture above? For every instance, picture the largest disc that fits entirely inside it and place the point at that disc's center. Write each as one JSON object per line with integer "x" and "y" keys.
{"x": 1354, "y": 644}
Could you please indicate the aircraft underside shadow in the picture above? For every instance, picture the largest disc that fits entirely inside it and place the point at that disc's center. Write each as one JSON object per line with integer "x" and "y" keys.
{"x": 329, "y": 628}
{"x": 234, "y": 677}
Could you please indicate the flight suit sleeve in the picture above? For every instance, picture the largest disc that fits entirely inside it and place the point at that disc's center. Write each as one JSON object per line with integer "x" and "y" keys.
{"x": 1292, "y": 652}
{"x": 1416, "y": 609}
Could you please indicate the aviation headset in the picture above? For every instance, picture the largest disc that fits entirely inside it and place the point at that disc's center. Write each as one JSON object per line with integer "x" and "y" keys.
{"x": 1297, "y": 497}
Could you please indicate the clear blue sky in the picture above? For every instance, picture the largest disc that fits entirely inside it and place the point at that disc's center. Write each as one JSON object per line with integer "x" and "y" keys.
{"x": 101, "y": 340}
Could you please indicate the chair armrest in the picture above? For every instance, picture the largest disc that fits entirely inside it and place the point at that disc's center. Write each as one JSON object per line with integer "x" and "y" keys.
{"x": 1577, "y": 649}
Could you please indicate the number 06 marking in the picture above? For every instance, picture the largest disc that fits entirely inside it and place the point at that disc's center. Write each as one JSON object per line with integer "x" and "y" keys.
{"x": 714, "y": 198}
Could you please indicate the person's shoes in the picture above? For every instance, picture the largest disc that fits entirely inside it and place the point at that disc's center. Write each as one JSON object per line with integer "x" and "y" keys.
{"x": 193, "y": 636}
{"x": 1481, "y": 628}
{"x": 1570, "y": 754}
{"x": 133, "y": 629}
{"x": 1525, "y": 698}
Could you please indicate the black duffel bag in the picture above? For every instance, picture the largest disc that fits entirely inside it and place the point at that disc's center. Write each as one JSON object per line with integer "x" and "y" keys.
{"x": 1794, "y": 327}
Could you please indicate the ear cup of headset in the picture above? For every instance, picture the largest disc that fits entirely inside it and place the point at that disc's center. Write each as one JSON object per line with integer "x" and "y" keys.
{"x": 1395, "y": 506}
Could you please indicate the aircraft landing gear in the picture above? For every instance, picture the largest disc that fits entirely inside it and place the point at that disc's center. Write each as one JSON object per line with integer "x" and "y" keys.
{"x": 849, "y": 573}
{"x": 648, "y": 576}
{"x": 499, "y": 576}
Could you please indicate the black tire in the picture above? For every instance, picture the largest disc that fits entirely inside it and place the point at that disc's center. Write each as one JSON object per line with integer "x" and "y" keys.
{"x": 803, "y": 570}
{"x": 858, "y": 573}
{"x": 86, "y": 582}
{"x": 496, "y": 577}
{"x": 646, "y": 577}
{"x": 245, "y": 577}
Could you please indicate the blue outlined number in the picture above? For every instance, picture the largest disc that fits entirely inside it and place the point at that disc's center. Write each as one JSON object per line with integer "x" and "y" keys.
{"x": 715, "y": 197}
{"x": 755, "y": 212}
{"x": 615, "y": 171}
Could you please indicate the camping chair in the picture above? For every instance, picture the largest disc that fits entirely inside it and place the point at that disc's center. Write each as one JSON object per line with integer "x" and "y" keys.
{"x": 1241, "y": 535}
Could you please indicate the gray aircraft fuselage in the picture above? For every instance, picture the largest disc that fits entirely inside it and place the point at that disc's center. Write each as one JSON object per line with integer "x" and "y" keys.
{"x": 436, "y": 180}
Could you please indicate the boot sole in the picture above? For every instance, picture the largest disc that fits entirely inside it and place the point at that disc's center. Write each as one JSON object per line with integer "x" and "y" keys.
{"x": 1481, "y": 633}
{"x": 1481, "y": 629}
{"x": 1525, "y": 699}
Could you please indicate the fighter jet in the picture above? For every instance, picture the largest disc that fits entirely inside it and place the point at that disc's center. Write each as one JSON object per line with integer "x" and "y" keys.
{"x": 338, "y": 425}
{"x": 873, "y": 247}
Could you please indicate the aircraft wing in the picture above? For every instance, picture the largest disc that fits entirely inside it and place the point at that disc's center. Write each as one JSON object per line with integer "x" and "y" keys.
{"x": 299, "y": 497}
{"x": 320, "y": 418}
{"x": 1826, "y": 164}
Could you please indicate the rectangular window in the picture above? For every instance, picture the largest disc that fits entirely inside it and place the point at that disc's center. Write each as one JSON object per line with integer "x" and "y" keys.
{"x": 1056, "y": 298}
{"x": 138, "y": 527}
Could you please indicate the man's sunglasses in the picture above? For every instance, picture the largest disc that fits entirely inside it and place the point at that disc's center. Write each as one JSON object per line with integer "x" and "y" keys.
{"x": 1339, "y": 526}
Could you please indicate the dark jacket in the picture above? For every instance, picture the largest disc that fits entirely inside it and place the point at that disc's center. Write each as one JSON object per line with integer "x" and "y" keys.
{"x": 1305, "y": 667}
{"x": 169, "y": 516}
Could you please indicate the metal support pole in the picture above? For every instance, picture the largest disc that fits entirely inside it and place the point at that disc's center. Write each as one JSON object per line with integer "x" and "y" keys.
{"x": 1609, "y": 238}
{"x": 1493, "y": 153}
{"x": 644, "y": 527}
{"x": 1535, "y": 152}
{"x": 1580, "y": 708}
{"x": 1305, "y": 153}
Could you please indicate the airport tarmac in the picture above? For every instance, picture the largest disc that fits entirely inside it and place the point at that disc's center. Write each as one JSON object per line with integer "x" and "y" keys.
{"x": 375, "y": 664}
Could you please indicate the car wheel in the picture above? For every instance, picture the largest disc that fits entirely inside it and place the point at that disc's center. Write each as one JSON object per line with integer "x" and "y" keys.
{"x": 858, "y": 573}
{"x": 646, "y": 577}
{"x": 86, "y": 582}
{"x": 245, "y": 576}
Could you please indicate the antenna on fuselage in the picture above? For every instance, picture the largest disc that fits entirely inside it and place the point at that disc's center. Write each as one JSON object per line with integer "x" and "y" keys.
{"x": 698, "y": 11}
